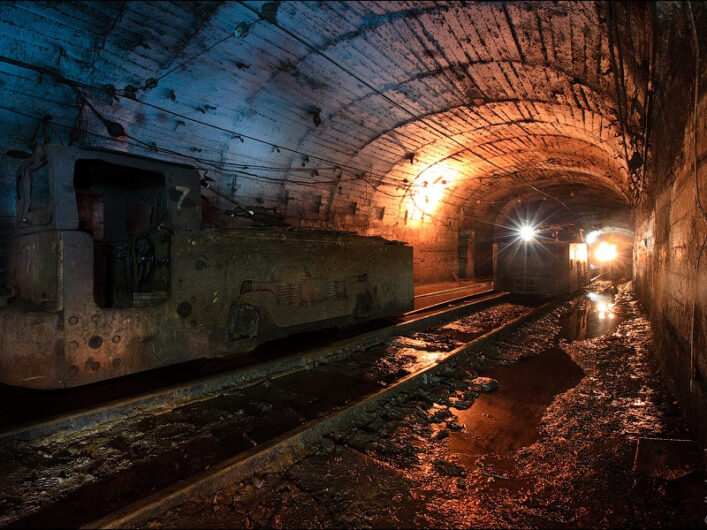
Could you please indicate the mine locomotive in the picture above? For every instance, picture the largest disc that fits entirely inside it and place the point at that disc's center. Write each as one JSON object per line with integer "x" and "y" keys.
{"x": 112, "y": 272}
{"x": 550, "y": 268}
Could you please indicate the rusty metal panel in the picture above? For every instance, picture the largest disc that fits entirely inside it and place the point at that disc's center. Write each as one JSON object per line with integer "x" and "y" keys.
{"x": 31, "y": 343}
{"x": 35, "y": 268}
{"x": 101, "y": 343}
{"x": 209, "y": 313}
{"x": 371, "y": 279}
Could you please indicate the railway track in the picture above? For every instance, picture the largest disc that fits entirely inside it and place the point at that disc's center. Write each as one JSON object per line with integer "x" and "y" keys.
{"x": 279, "y": 453}
{"x": 350, "y": 394}
{"x": 180, "y": 394}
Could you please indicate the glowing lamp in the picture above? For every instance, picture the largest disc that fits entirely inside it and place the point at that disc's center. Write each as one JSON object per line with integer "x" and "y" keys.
{"x": 578, "y": 251}
{"x": 605, "y": 252}
{"x": 591, "y": 237}
{"x": 526, "y": 233}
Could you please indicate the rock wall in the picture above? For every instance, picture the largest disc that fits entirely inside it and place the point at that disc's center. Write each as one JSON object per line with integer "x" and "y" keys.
{"x": 670, "y": 258}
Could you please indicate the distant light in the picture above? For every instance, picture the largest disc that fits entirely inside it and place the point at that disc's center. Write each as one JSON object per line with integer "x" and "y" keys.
{"x": 605, "y": 252}
{"x": 429, "y": 189}
{"x": 591, "y": 237}
{"x": 526, "y": 233}
{"x": 578, "y": 251}
{"x": 602, "y": 306}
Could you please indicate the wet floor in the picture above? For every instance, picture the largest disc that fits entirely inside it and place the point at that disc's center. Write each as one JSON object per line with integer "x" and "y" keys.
{"x": 587, "y": 322}
{"x": 563, "y": 455}
{"x": 79, "y": 480}
{"x": 508, "y": 418}
{"x": 160, "y": 450}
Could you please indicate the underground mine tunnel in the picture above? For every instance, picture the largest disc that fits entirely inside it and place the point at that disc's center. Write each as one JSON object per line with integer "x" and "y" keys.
{"x": 353, "y": 264}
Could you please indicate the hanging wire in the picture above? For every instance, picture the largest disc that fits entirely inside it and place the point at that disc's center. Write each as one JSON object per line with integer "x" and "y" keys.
{"x": 385, "y": 178}
{"x": 71, "y": 83}
{"x": 431, "y": 125}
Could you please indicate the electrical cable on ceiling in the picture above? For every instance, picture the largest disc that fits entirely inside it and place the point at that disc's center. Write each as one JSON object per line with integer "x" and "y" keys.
{"x": 395, "y": 103}
{"x": 222, "y": 167}
{"x": 383, "y": 177}
{"x": 238, "y": 172}
{"x": 144, "y": 145}
{"x": 64, "y": 80}
{"x": 72, "y": 84}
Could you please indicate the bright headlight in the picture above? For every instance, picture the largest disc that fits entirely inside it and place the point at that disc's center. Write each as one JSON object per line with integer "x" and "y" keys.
{"x": 605, "y": 252}
{"x": 526, "y": 233}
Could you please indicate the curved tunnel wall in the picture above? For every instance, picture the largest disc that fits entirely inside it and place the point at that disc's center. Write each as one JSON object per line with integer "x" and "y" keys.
{"x": 670, "y": 247}
{"x": 378, "y": 117}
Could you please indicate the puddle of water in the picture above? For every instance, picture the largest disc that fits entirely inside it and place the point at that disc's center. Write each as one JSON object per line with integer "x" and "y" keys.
{"x": 508, "y": 418}
{"x": 588, "y": 323}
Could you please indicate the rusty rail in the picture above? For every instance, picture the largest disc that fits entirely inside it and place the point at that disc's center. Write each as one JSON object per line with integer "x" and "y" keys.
{"x": 210, "y": 386}
{"x": 280, "y": 452}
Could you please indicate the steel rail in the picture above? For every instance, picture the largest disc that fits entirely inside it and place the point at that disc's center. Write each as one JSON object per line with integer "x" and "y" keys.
{"x": 279, "y": 453}
{"x": 452, "y": 290}
{"x": 210, "y": 386}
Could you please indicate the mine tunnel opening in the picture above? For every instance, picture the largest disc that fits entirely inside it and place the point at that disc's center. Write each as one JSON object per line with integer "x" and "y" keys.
{"x": 530, "y": 224}
{"x": 125, "y": 210}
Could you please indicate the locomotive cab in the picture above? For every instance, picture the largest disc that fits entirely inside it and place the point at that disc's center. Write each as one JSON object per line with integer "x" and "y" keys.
{"x": 93, "y": 237}
{"x": 547, "y": 268}
{"x": 126, "y": 213}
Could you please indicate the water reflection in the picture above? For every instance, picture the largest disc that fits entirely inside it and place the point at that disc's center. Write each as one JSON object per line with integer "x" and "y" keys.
{"x": 509, "y": 418}
{"x": 587, "y": 323}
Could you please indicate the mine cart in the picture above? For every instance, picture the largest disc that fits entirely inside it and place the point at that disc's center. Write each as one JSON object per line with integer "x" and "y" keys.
{"x": 549, "y": 268}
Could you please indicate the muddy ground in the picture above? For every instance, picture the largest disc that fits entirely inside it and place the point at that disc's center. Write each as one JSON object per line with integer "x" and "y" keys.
{"x": 73, "y": 480}
{"x": 553, "y": 446}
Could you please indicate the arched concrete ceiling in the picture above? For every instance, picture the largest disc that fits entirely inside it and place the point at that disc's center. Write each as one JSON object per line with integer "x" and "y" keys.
{"x": 346, "y": 114}
{"x": 579, "y": 208}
